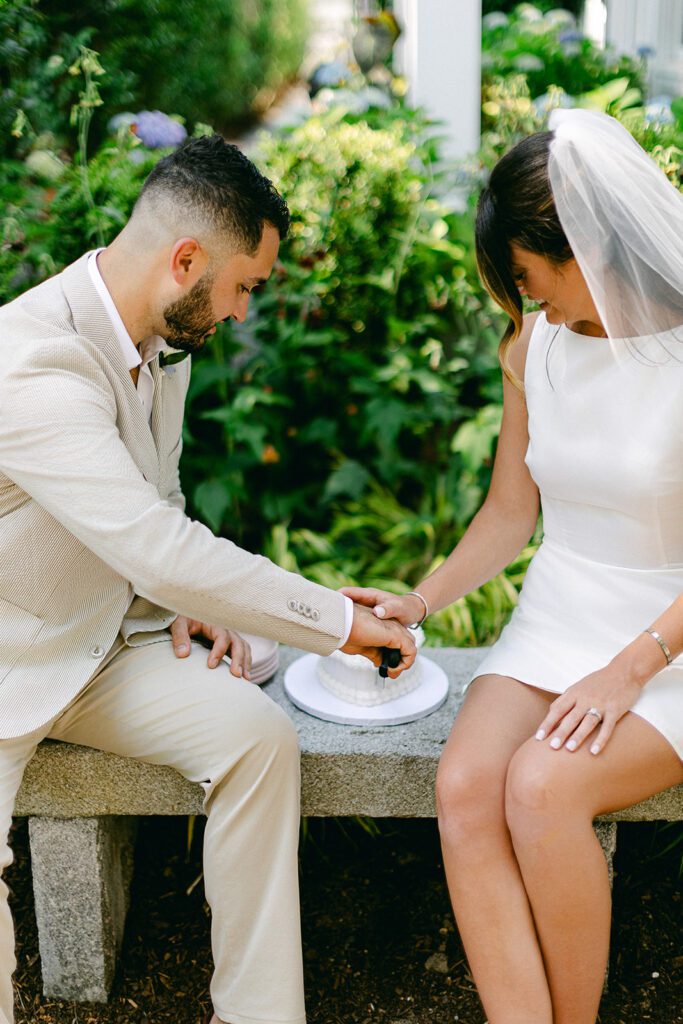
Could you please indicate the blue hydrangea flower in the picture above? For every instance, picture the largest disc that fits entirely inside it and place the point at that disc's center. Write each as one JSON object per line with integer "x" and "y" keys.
{"x": 559, "y": 18}
{"x": 658, "y": 111}
{"x": 528, "y": 62}
{"x": 645, "y": 51}
{"x": 571, "y": 36}
{"x": 550, "y": 100}
{"x": 494, "y": 20}
{"x": 123, "y": 120}
{"x": 157, "y": 130}
{"x": 330, "y": 75}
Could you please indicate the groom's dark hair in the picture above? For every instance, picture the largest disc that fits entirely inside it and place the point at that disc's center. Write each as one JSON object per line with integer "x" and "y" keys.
{"x": 212, "y": 182}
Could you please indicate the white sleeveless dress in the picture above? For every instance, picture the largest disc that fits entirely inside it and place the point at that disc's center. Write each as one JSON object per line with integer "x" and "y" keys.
{"x": 606, "y": 451}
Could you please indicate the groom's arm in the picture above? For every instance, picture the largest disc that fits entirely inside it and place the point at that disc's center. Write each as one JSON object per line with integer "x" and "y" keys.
{"x": 60, "y": 443}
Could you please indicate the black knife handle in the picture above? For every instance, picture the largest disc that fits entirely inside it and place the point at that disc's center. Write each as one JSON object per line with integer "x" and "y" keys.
{"x": 391, "y": 658}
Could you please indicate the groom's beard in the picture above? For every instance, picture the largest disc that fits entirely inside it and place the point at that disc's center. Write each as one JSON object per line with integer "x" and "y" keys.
{"x": 189, "y": 320}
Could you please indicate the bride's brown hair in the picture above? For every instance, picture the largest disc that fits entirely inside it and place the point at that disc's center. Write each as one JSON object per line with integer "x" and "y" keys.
{"x": 517, "y": 207}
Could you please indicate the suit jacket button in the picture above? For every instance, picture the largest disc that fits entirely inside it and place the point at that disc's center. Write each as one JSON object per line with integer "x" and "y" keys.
{"x": 291, "y": 604}
{"x": 97, "y": 652}
{"x": 315, "y": 614}
{"x": 300, "y": 608}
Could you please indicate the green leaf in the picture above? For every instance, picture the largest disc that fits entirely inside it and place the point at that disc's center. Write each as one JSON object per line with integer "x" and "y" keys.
{"x": 677, "y": 110}
{"x": 350, "y": 479}
{"x": 474, "y": 440}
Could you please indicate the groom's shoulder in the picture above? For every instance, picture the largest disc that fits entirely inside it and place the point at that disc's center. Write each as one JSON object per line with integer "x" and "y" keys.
{"x": 42, "y": 310}
{"x": 38, "y": 332}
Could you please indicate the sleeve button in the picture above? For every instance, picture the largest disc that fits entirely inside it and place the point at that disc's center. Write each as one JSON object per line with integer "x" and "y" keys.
{"x": 97, "y": 652}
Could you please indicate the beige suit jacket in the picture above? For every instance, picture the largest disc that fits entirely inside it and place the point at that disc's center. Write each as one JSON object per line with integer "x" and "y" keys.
{"x": 91, "y": 513}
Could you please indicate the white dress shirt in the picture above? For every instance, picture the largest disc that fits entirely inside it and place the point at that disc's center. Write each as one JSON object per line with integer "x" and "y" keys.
{"x": 149, "y": 348}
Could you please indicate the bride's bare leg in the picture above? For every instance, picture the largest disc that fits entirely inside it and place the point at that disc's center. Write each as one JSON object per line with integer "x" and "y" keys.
{"x": 552, "y": 798}
{"x": 486, "y": 888}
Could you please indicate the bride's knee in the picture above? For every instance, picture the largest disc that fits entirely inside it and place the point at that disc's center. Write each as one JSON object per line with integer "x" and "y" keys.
{"x": 469, "y": 798}
{"x": 540, "y": 792}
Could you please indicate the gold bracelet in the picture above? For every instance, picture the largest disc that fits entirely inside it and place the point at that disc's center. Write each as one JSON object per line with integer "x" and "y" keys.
{"x": 414, "y": 593}
{"x": 662, "y": 643}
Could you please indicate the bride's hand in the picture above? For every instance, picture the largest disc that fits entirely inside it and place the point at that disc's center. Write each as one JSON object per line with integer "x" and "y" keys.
{"x": 407, "y": 609}
{"x": 570, "y": 720}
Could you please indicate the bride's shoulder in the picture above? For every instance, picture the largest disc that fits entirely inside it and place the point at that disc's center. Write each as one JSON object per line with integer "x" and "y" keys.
{"x": 518, "y": 350}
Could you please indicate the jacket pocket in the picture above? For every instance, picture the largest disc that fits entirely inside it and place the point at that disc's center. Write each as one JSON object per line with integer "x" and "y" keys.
{"x": 18, "y": 629}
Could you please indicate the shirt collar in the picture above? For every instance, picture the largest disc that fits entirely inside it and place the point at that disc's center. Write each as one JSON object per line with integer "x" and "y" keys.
{"x": 149, "y": 347}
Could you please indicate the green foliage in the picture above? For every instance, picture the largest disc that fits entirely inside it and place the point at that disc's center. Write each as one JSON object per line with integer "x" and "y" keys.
{"x": 507, "y": 6}
{"x": 36, "y": 57}
{"x": 367, "y": 352}
{"x": 348, "y": 428}
{"x": 223, "y": 62}
{"x": 509, "y": 114}
{"x": 377, "y": 542}
{"x": 46, "y": 225}
{"x": 549, "y": 50}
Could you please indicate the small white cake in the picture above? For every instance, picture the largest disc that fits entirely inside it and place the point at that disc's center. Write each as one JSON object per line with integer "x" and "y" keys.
{"x": 353, "y": 678}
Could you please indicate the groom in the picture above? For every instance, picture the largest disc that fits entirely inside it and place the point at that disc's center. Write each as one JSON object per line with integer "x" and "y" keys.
{"x": 104, "y": 579}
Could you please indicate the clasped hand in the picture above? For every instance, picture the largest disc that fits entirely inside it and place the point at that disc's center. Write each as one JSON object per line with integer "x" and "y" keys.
{"x": 224, "y": 641}
{"x": 369, "y": 634}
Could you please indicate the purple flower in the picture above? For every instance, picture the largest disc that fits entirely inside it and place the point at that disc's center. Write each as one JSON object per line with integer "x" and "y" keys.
{"x": 571, "y": 36}
{"x": 157, "y": 130}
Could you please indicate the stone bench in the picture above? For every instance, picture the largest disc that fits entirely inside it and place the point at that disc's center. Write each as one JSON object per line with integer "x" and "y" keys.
{"x": 83, "y": 805}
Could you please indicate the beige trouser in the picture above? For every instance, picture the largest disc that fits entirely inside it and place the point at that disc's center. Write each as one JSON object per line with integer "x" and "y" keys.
{"x": 227, "y": 735}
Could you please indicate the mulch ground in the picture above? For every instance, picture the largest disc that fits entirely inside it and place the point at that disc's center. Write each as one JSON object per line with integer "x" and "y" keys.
{"x": 379, "y": 941}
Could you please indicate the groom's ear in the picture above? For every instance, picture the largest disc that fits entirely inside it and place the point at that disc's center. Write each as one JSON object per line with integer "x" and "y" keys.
{"x": 187, "y": 262}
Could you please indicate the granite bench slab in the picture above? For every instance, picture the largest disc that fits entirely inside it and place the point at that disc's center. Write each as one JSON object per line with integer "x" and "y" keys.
{"x": 83, "y": 804}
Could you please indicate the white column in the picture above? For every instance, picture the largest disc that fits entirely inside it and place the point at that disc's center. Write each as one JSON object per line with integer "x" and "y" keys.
{"x": 654, "y": 23}
{"x": 631, "y": 23}
{"x": 440, "y": 55}
{"x": 595, "y": 21}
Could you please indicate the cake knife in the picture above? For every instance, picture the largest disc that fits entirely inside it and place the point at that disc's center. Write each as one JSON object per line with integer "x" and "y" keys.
{"x": 391, "y": 657}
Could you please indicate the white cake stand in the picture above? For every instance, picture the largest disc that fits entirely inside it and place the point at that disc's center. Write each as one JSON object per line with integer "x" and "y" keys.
{"x": 304, "y": 689}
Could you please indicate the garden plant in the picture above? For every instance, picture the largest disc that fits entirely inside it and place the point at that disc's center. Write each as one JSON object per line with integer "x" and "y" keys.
{"x": 348, "y": 428}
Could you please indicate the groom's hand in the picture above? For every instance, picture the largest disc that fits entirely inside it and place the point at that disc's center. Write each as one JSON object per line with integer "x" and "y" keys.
{"x": 224, "y": 641}
{"x": 369, "y": 634}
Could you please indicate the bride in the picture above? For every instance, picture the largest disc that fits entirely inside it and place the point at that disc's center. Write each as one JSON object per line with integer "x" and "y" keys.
{"x": 578, "y": 709}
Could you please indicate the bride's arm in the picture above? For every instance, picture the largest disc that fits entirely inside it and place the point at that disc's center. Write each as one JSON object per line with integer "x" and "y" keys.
{"x": 500, "y": 529}
{"x": 508, "y": 517}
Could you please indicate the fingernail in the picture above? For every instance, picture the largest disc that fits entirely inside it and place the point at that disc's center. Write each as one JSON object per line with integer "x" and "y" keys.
{"x": 182, "y": 649}
{"x": 570, "y": 744}
{"x": 213, "y": 662}
{"x": 540, "y": 735}
{"x": 380, "y": 611}
{"x": 556, "y": 743}
{"x": 595, "y": 749}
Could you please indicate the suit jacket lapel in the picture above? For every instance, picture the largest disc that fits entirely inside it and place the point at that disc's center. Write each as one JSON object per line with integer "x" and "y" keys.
{"x": 157, "y": 405}
{"x": 92, "y": 322}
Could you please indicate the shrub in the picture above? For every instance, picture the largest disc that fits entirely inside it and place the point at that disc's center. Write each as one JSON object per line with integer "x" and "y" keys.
{"x": 549, "y": 50}
{"x": 363, "y": 357}
{"x": 221, "y": 62}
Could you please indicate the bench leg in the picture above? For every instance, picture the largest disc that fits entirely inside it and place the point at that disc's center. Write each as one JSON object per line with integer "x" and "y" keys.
{"x": 82, "y": 869}
{"x": 606, "y": 831}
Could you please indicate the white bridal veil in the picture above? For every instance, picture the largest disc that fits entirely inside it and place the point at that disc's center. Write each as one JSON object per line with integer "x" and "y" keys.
{"x": 624, "y": 223}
